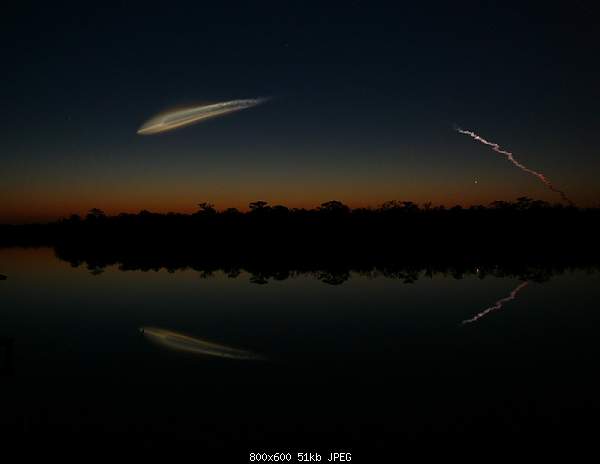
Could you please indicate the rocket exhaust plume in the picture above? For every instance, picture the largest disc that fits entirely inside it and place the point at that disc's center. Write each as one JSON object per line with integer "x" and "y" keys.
{"x": 497, "y": 305}
{"x": 184, "y": 117}
{"x": 512, "y": 159}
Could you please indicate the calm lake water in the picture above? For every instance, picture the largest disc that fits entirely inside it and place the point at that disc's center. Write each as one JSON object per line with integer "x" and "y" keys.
{"x": 357, "y": 366}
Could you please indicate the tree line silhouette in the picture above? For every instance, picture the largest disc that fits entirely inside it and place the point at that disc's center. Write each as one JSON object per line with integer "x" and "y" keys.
{"x": 524, "y": 231}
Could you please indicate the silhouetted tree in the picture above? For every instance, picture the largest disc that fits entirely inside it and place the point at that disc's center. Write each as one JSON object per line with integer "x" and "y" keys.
{"x": 501, "y": 205}
{"x": 523, "y": 203}
{"x": 257, "y": 205}
{"x": 95, "y": 214}
{"x": 409, "y": 207}
{"x": 279, "y": 211}
{"x": 390, "y": 205}
{"x": 206, "y": 208}
{"x": 334, "y": 206}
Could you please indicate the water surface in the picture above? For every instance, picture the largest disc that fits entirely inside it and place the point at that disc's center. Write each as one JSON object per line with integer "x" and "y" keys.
{"x": 350, "y": 364}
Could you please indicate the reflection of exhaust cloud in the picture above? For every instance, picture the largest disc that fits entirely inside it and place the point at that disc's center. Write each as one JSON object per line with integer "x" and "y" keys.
{"x": 180, "y": 342}
{"x": 184, "y": 117}
{"x": 497, "y": 305}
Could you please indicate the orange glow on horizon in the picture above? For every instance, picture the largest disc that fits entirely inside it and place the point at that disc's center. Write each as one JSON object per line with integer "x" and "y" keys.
{"x": 46, "y": 211}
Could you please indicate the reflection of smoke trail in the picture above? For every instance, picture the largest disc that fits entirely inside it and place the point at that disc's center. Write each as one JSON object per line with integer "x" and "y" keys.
{"x": 497, "y": 305}
{"x": 512, "y": 159}
{"x": 180, "y": 342}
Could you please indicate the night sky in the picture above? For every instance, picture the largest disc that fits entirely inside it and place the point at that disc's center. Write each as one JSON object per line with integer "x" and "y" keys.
{"x": 363, "y": 103}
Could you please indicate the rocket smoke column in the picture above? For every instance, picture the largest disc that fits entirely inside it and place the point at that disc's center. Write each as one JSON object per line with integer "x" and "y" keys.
{"x": 498, "y": 304}
{"x": 512, "y": 159}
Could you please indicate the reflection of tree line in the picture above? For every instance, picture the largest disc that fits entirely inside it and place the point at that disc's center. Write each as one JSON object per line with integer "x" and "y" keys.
{"x": 334, "y": 275}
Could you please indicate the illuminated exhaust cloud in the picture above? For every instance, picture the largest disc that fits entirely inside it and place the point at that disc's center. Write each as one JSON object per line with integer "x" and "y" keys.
{"x": 497, "y": 305}
{"x": 512, "y": 159}
{"x": 184, "y": 117}
{"x": 180, "y": 342}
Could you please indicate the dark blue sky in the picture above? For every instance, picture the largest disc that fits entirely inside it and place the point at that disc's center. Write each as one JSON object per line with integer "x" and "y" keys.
{"x": 364, "y": 101}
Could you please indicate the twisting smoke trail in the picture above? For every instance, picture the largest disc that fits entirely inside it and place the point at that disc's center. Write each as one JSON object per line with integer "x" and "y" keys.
{"x": 512, "y": 159}
{"x": 497, "y": 305}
